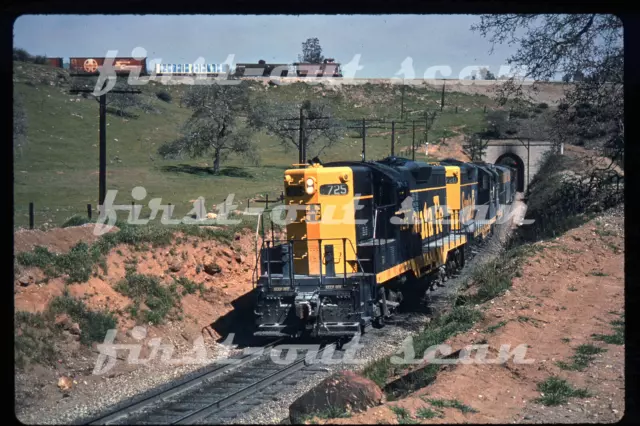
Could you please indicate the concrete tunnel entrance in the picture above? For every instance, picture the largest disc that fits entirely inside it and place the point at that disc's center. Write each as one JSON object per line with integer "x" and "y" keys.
{"x": 513, "y": 160}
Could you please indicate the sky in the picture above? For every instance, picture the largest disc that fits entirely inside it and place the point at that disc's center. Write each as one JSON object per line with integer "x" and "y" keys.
{"x": 384, "y": 42}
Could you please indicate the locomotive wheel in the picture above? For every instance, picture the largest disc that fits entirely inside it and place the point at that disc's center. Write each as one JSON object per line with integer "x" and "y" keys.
{"x": 378, "y": 322}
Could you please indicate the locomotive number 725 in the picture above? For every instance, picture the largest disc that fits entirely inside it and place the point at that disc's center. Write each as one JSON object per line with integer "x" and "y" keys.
{"x": 334, "y": 189}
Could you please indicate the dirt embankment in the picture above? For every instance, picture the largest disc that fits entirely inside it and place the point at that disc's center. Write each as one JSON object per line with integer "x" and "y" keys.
{"x": 219, "y": 273}
{"x": 566, "y": 306}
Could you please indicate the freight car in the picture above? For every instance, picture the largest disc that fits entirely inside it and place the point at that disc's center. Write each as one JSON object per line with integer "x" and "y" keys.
{"x": 191, "y": 69}
{"x": 262, "y": 69}
{"x": 55, "y": 62}
{"x": 89, "y": 66}
{"x": 328, "y": 68}
{"x": 361, "y": 236}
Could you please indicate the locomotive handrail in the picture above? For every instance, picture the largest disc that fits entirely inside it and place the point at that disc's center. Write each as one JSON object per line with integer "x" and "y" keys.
{"x": 273, "y": 242}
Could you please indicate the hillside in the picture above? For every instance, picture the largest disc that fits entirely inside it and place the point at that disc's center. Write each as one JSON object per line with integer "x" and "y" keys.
{"x": 57, "y": 167}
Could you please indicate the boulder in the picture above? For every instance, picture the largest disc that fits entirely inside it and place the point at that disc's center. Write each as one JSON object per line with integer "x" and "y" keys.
{"x": 175, "y": 265}
{"x": 212, "y": 268}
{"x": 75, "y": 329}
{"x": 344, "y": 391}
{"x": 65, "y": 383}
{"x": 64, "y": 321}
{"x": 24, "y": 280}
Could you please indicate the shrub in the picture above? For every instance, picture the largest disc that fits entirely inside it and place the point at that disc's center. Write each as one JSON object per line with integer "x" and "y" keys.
{"x": 40, "y": 59}
{"x": 21, "y": 55}
{"x": 93, "y": 324}
{"x": 542, "y": 105}
{"x": 75, "y": 220}
{"x": 164, "y": 96}
{"x": 148, "y": 290}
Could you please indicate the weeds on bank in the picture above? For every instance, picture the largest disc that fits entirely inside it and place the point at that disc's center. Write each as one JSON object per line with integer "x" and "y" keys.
{"x": 147, "y": 290}
{"x": 35, "y": 333}
{"x": 583, "y": 356}
{"x": 79, "y": 263}
{"x": 451, "y": 403}
{"x": 460, "y": 319}
{"x": 617, "y": 338}
{"x": 557, "y": 391}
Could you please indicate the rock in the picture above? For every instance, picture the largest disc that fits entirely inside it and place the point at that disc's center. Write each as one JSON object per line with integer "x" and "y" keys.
{"x": 75, "y": 329}
{"x": 212, "y": 268}
{"x": 175, "y": 266}
{"x": 63, "y": 320}
{"x": 237, "y": 236}
{"x": 24, "y": 280}
{"x": 65, "y": 383}
{"x": 198, "y": 268}
{"x": 239, "y": 258}
{"x": 345, "y": 391}
{"x": 211, "y": 215}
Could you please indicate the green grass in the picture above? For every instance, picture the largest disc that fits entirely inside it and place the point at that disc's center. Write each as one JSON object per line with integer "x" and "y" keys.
{"x": 403, "y": 415}
{"x": 33, "y": 340}
{"x": 93, "y": 324}
{"x": 494, "y": 327}
{"x": 331, "y": 412}
{"x": 617, "y": 338}
{"x": 57, "y": 168}
{"x": 77, "y": 263}
{"x": 188, "y": 286}
{"x": 558, "y": 391}
{"x": 450, "y": 403}
{"x": 566, "y": 339}
{"x": 583, "y": 356}
{"x": 493, "y": 278}
{"x": 147, "y": 289}
{"x": 427, "y": 413}
{"x": 460, "y": 319}
{"x": 82, "y": 259}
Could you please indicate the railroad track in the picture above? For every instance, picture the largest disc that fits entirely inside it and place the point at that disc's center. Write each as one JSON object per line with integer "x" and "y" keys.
{"x": 216, "y": 395}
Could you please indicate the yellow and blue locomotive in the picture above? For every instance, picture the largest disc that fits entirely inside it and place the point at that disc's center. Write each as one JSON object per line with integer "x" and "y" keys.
{"x": 360, "y": 235}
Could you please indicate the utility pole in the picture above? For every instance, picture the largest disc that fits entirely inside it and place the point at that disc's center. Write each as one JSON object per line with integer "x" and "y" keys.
{"x": 364, "y": 139}
{"x": 393, "y": 135}
{"x": 302, "y": 149}
{"x": 402, "y": 103}
{"x": 301, "y": 140}
{"x": 413, "y": 142}
{"x": 102, "y": 170}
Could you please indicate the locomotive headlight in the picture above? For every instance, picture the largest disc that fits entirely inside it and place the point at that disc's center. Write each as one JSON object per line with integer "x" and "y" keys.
{"x": 310, "y": 186}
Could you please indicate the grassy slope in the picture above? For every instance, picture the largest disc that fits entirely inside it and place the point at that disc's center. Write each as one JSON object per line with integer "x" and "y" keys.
{"x": 58, "y": 168}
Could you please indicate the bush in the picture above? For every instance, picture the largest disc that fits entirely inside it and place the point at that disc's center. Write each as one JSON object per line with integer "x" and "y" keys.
{"x": 33, "y": 341}
{"x": 164, "y": 96}
{"x": 77, "y": 263}
{"x": 75, "y": 220}
{"x": 21, "y": 55}
{"x": 516, "y": 113}
{"x": 40, "y": 59}
{"x": 147, "y": 289}
{"x": 93, "y": 324}
{"x": 542, "y": 105}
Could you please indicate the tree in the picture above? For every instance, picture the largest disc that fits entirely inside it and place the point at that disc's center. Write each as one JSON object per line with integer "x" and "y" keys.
{"x": 489, "y": 76}
{"x": 573, "y": 45}
{"x": 475, "y": 146}
{"x": 213, "y": 128}
{"x": 311, "y": 52}
{"x": 280, "y": 119}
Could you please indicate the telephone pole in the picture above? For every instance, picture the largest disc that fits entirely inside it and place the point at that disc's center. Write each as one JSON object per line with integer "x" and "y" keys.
{"x": 102, "y": 167}
{"x": 302, "y": 127}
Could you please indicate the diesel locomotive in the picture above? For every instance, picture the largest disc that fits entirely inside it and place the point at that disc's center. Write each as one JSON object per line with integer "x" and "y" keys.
{"x": 360, "y": 236}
